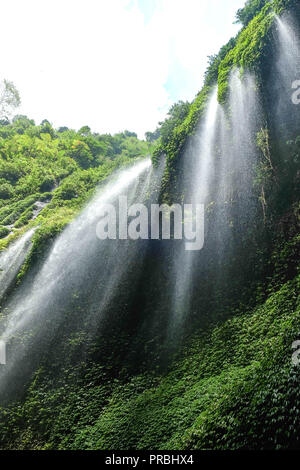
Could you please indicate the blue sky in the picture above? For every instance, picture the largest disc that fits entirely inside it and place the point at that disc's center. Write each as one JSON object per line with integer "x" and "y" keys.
{"x": 110, "y": 64}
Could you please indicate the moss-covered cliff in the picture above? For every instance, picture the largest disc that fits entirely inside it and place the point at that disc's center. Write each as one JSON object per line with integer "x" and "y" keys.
{"x": 229, "y": 382}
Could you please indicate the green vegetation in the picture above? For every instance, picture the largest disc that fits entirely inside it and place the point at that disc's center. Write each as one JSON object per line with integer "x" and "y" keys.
{"x": 249, "y": 11}
{"x": 9, "y": 99}
{"x": 227, "y": 389}
{"x": 230, "y": 384}
{"x": 251, "y": 49}
{"x": 174, "y": 139}
{"x": 248, "y": 50}
{"x": 61, "y": 168}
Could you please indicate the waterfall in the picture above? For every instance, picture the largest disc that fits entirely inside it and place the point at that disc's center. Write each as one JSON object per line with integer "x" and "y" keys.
{"x": 286, "y": 74}
{"x": 78, "y": 263}
{"x": 224, "y": 153}
{"x": 205, "y": 160}
{"x": 203, "y": 150}
{"x": 236, "y": 198}
{"x": 288, "y": 63}
{"x": 81, "y": 278}
{"x": 12, "y": 259}
{"x": 240, "y": 150}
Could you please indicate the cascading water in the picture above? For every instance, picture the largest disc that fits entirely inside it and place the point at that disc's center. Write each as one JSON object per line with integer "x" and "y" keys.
{"x": 235, "y": 198}
{"x": 78, "y": 286}
{"x": 78, "y": 263}
{"x": 12, "y": 259}
{"x": 288, "y": 63}
{"x": 205, "y": 160}
{"x": 203, "y": 150}
{"x": 240, "y": 149}
{"x": 224, "y": 154}
{"x": 286, "y": 73}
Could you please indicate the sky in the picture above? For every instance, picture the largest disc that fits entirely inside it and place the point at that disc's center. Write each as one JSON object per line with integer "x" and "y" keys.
{"x": 110, "y": 64}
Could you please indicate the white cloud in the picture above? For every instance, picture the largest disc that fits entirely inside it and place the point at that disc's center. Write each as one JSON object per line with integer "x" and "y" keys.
{"x": 99, "y": 62}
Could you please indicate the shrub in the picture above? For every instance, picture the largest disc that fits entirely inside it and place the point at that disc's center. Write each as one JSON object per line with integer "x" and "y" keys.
{"x": 6, "y": 191}
{"x": 47, "y": 184}
{"x": 4, "y": 231}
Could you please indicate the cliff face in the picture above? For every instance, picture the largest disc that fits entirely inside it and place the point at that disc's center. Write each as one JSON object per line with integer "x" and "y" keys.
{"x": 223, "y": 376}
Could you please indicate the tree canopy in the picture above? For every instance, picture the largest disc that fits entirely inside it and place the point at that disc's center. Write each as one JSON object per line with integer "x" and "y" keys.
{"x": 9, "y": 99}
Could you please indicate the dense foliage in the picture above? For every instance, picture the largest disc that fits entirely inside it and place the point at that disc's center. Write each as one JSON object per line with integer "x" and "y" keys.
{"x": 229, "y": 383}
{"x": 251, "y": 49}
{"x": 249, "y": 11}
{"x": 62, "y": 168}
{"x": 232, "y": 386}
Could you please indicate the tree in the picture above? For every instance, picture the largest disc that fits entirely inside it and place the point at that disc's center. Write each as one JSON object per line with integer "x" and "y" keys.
{"x": 81, "y": 154}
{"x": 62, "y": 129}
{"x": 211, "y": 74}
{"x": 85, "y": 131}
{"x": 45, "y": 122}
{"x": 176, "y": 115}
{"x": 23, "y": 118}
{"x": 9, "y": 99}
{"x": 130, "y": 134}
{"x": 249, "y": 11}
{"x": 46, "y": 128}
{"x": 152, "y": 136}
{"x": 6, "y": 191}
{"x": 21, "y": 123}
